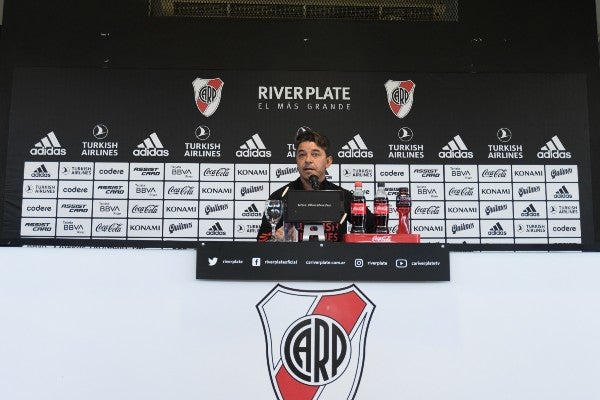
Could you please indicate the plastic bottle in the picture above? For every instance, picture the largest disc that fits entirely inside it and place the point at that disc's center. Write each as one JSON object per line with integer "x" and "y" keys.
{"x": 381, "y": 209}
{"x": 403, "y": 206}
{"x": 358, "y": 209}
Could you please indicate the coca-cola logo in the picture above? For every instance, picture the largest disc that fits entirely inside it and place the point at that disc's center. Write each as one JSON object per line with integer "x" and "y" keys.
{"x": 217, "y": 172}
{"x": 466, "y": 191}
{"x": 114, "y": 227}
{"x": 382, "y": 238}
{"x": 431, "y": 210}
{"x": 149, "y": 209}
{"x": 183, "y": 191}
{"x": 490, "y": 173}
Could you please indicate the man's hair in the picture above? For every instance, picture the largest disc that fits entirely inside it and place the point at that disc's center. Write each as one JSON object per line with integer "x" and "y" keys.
{"x": 306, "y": 134}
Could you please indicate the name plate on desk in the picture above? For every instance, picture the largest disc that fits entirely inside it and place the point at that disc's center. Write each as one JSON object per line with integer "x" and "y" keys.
{"x": 322, "y": 261}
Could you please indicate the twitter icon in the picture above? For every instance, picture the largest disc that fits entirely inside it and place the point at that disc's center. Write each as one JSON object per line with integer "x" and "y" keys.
{"x": 212, "y": 261}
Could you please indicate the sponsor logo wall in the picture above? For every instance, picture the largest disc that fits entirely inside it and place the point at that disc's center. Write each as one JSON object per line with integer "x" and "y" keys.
{"x": 201, "y": 168}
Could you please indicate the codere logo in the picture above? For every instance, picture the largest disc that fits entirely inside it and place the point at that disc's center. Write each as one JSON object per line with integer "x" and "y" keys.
{"x": 455, "y": 148}
{"x": 151, "y": 147}
{"x": 254, "y": 147}
{"x": 48, "y": 146}
{"x": 553, "y": 149}
{"x": 355, "y": 148}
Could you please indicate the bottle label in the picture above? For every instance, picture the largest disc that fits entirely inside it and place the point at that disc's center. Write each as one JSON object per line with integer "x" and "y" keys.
{"x": 358, "y": 209}
{"x": 381, "y": 208}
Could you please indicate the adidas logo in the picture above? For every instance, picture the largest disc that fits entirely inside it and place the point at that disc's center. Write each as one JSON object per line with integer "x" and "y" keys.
{"x": 553, "y": 149}
{"x": 254, "y": 147}
{"x": 455, "y": 148}
{"x": 48, "y": 146}
{"x": 41, "y": 172}
{"x": 355, "y": 148}
{"x": 251, "y": 211}
{"x": 530, "y": 211}
{"x": 563, "y": 193}
{"x": 216, "y": 230}
{"x": 497, "y": 230}
{"x": 151, "y": 147}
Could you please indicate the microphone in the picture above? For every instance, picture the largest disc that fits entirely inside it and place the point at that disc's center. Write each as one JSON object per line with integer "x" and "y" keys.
{"x": 314, "y": 182}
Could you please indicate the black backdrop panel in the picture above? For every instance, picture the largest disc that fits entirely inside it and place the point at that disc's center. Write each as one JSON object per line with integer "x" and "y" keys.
{"x": 458, "y": 125}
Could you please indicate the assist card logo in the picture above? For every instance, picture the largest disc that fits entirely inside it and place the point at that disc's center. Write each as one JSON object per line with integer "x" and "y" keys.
{"x": 315, "y": 341}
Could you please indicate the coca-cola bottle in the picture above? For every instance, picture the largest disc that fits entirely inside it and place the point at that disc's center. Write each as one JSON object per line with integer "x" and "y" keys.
{"x": 381, "y": 209}
{"x": 358, "y": 209}
{"x": 403, "y": 205}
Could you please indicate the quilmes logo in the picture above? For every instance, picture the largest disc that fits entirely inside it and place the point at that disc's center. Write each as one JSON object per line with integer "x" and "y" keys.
{"x": 553, "y": 149}
{"x": 400, "y": 96}
{"x": 48, "y": 146}
{"x": 455, "y": 148}
{"x": 355, "y": 148}
{"x": 254, "y": 147}
{"x": 207, "y": 93}
{"x": 150, "y": 147}
{"x": 320, "y": 347}
{"x": 41, "y": 172}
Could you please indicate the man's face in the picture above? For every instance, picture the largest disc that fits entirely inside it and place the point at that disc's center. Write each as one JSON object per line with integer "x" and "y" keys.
{"x": 312, "y": 160}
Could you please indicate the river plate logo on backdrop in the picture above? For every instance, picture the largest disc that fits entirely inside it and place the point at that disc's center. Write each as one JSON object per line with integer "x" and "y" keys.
{"x": 207, "y": 93}
{"x": 400, "y": 96}
{"x": 315, "y": 341}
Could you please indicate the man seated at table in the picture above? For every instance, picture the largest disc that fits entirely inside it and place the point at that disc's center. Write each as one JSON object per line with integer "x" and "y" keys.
{"x": 313, "y": 157}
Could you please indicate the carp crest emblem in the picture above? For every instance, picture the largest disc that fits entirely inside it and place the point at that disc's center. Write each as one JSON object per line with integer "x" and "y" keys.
{"x": 400, "y": 96}
{"x": 207, "y": 93}
{"x": 315, "y": 341}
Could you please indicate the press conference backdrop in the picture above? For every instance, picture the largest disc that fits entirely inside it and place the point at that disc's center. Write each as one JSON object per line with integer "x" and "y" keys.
{"x": 192, "y": 155}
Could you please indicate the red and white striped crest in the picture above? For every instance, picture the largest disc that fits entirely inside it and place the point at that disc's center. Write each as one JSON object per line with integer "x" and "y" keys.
{"x": 315, "y": 341}
{"x": 207, "y": 93}
{"x": 400, "y": 96}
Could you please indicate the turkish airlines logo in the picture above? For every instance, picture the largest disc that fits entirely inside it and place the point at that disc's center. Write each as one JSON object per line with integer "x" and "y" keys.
{"x": 48, "y": 146}
{"x": 207, "y": 93}
{"x": 309, "y": 351}
{"x": 400, "y": 96}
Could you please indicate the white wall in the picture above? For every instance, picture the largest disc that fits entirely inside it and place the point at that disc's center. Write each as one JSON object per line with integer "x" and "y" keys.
{"x": 97, "y": 324}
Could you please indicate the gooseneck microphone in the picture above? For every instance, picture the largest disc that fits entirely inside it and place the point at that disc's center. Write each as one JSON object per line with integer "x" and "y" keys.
{"x": 314, "y": 182}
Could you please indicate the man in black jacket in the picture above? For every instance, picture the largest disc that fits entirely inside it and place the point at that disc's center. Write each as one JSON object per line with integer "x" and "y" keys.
{"x": 313, "y": 157}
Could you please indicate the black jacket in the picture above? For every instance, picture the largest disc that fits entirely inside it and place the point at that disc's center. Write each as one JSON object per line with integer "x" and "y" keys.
{"x": 333, "y": 232}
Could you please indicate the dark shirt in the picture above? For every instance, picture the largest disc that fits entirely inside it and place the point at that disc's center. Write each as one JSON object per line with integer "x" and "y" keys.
{"x": 334, "y": 232}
